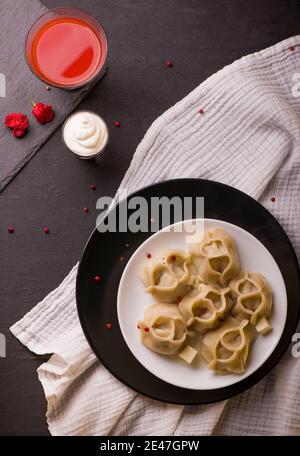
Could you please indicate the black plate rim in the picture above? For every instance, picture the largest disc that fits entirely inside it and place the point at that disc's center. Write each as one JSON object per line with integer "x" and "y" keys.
{"x": 251, "y": 380}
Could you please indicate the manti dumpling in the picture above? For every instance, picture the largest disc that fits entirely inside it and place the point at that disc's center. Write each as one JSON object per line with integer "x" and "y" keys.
{"x": 206, "y": 307}
{"x": 253, "y": 296}
{"x": 215, "y": 258}
{"x": 167, "y": 277}
{"x": 163, "y": 329}
{"x": 226, "y": 348}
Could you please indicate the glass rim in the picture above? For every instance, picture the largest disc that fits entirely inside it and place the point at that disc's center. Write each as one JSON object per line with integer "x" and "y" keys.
{"x": 85, "y": 157}
{"x": 97, "y": 72}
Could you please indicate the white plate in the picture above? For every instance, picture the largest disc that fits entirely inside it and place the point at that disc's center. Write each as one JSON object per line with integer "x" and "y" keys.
{"x": 132, "y": 300}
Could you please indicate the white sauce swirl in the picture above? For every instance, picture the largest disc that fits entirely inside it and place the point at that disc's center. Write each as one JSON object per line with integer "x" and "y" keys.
{"x": 85, "y": 133}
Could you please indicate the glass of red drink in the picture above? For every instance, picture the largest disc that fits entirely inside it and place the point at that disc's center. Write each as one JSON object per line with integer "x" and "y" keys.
{"x": 67, "y": 48}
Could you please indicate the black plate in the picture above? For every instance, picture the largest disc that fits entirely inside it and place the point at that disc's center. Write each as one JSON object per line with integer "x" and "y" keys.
{"x": 97, "y": 302}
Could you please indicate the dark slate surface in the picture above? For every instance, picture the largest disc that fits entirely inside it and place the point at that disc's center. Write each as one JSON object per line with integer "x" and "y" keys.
{"x": 200, "y": 37}
{"x": 22, "y": 87}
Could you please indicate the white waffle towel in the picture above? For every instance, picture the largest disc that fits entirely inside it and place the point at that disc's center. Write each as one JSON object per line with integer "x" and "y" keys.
{"x": 249, "y": 137}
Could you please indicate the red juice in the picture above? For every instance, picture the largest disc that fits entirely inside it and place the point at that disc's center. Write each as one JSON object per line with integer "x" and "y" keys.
{"x": 67, "y": 51}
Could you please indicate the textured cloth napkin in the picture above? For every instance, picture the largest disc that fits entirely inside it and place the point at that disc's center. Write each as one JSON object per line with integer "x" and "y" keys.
{"x": 18, "y": 86}
{"x": 247, "y": 137}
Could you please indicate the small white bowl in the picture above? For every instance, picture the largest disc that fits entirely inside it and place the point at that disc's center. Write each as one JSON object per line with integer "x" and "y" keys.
{"x": 104, "y": 125}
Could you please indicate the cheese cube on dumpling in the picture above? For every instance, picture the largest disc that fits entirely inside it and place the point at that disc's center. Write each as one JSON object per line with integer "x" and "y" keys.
{"x": 188, "y": 354}
{"x": 263, "y": 326}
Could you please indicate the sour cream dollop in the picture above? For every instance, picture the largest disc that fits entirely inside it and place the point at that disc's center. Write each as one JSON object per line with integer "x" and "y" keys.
{"x": 85, "y": 133}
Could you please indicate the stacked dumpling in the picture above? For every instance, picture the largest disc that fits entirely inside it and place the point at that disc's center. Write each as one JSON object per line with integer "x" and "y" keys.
{"x": 215, "y": 258}
{"x": 163, "y": 329}
{"x": 167, "y": 277}
{"x": 203, "y": 292}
